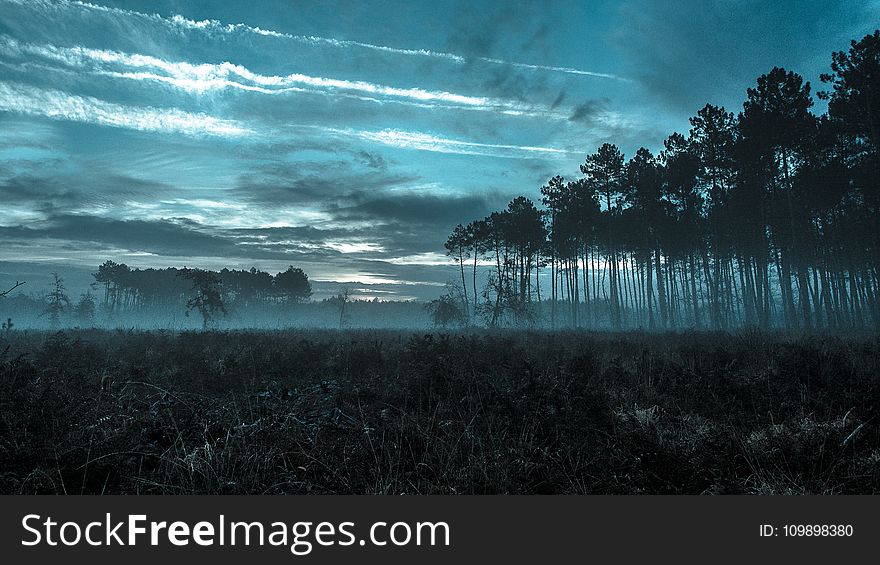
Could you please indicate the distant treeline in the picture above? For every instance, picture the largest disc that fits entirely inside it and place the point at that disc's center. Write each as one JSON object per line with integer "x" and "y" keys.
{"x": 185, "y": 298}
{"x": 124, "y": 288}
{"x": 769, "y": 217}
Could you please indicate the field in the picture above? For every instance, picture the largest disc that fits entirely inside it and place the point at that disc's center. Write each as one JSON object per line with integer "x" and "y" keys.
{"x": 391, "y": 412}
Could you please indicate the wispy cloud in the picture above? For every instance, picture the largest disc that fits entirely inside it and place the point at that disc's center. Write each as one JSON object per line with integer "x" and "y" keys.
{"x": 215, "y": 27}
{"x": 205, "y": 77}
{"x": 566, "y": 70}
{"x": 426, "y": 142}
{"x": 54, "y": 104}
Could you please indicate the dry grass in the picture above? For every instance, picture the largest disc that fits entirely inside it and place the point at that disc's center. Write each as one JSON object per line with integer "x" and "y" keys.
{"x": 395, "y": 412}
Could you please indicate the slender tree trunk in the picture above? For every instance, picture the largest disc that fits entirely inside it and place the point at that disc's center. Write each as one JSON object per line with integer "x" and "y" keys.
{"x": 661, "y": 291}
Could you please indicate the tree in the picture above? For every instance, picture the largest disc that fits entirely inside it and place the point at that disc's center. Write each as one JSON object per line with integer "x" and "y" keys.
{"x": 854, "y": 110}
{"x": 208, "y": 299}
{"x": 457, "y": 247}
{"x": 776, "y": 121}
{"x": 643, "y": 191}
{"x": 713, "y": 139}
{"x": 681, "y": 170}
{"x": 293, "y": 284}
{"x": 85, "y": 309}
{"x": 553, "y": 197}
{"x": 112, "y": 275}
{"x": 526, "y": 235}
{"x": 604, "y": 174}
{"x": 855, "y": 97}
{"x": 478, "y": 237}
{"x": 445, "y": 311}
{"x": 341, "y": 300}
{"x": 57, "y": 301}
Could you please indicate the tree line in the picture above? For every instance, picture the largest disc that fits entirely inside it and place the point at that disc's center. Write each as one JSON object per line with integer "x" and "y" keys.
{"x": 120, "y": 290}
{"x": 769, "y": 217}
{"x": 126, "y": 288}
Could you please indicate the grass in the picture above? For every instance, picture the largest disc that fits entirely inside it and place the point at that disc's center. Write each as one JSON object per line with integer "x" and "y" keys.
{"x": 390, "y": 412}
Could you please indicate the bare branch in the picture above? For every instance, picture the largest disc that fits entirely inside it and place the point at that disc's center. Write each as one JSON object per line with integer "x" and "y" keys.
{"x": 17, "y": 284}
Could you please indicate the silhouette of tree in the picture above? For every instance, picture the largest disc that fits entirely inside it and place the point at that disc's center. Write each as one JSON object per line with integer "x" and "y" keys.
{"x": 208, "y": 299}
{"x": 554, "y": 199}
{"x": 478, "y": 237}
{"x": 854, "y": 101}
{"x": 643, "y": 192}
{"x": 341, "y": 301}
{"x": 776, "y": 121}
{"x": 604, "y": 175}
{"x": 457, "y": 246}
{"x": 446, "y": 310}
{"x": 713, "y": 138}
{"x": 85, "y": 309}
{"x": 293, "y": 284}
{"x": 57, "y": 301}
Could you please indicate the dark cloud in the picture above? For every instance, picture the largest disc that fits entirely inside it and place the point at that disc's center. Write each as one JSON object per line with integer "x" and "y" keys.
{"x": 589, "y": 111}
{"x": 688, "y": 52}
{"x": 415, "y": 209}
{"x": 400, "y": 223}
{"x": 318, "y": 183}
{"x": 488, "y": 29}
{"x": 166, "y": 237}
{"x": 539, "y": 40}
{"x": 372, "y": 160}
{"x": 494, "y": 30}
{"x": 514, "y": 84}
{"x": 45, "y": 192}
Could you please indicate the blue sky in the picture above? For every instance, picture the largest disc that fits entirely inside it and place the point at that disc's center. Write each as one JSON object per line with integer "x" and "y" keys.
{"x": 347, "y": 138}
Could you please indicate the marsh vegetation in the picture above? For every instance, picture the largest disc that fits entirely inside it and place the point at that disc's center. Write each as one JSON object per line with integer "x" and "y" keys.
{"x": 391, "y": 412}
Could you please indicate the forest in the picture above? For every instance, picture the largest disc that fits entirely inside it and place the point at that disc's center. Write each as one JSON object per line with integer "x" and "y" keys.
{"x": 768, "y": 217}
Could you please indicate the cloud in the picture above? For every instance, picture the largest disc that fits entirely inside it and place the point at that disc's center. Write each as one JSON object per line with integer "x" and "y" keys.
{"x": 206, "y": 77}
{"x": 212, "y": 27}
{"x": 689, "y": 52}
{"x": 426, "y": 142}
{"x": 160, "y": 237}
{"x": 314, "y": 183}
{"x": 372, "y": 160}
{"x": 382, "y": 215}
{"x": 57, "y": 105}
{"x": 280, "y": 149}
{"x": 421, "y": 141}
{"x": 568, "y": 70}
{"x": 47, "y": 192}
{"x": 590, "y": 111}
{"x": 416, "y": 209}
{"x": 560, "y": 98}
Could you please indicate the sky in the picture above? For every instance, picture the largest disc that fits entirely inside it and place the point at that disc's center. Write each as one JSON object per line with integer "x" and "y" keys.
{"x": 347, "y": 138}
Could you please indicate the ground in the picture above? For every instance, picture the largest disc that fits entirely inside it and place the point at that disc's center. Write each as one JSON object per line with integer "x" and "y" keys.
{"x": 91, "y": 411}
